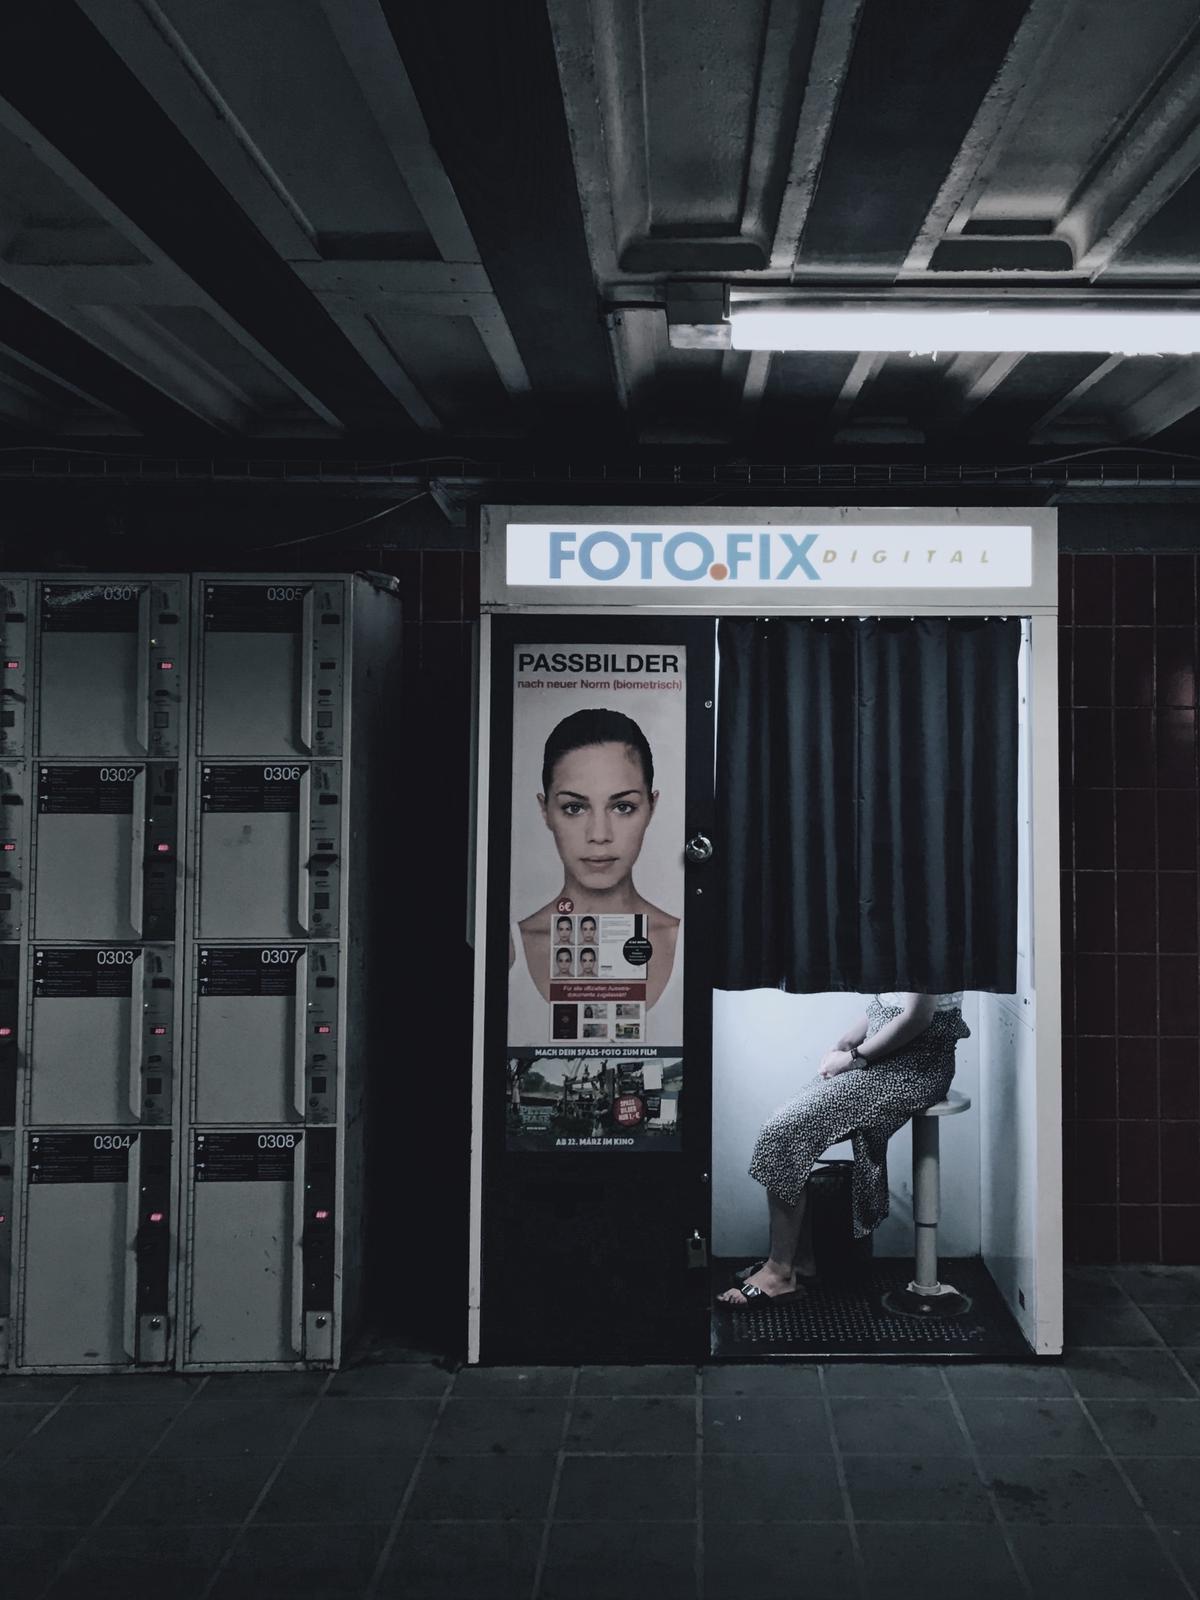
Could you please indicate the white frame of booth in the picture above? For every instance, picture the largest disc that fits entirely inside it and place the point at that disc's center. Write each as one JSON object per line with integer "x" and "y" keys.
{"x": 1028, "y": 1186}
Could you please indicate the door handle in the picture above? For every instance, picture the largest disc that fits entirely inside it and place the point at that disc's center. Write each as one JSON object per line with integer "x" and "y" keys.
{"x": 306, "y": 673}
{"x": 303, "y": 847}
{"x": 698, "y": 848}
{"x": 142, "y": 686}
{"x": 300, "y": 1038}
{"x": 137, "y": 853}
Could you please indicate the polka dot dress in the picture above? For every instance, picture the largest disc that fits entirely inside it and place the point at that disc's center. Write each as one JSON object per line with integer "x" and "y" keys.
{"x": 866, "y": 1105}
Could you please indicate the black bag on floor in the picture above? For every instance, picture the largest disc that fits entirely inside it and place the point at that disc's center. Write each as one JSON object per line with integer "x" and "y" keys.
{"x": 837, "y": 1254}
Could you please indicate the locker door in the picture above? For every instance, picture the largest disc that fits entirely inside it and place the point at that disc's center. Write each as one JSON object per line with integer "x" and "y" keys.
{"x": 110, "y": 669}
{"x": 95, "y": 1251}
{"x": 10, "y": 967}
{"x": 100, "y": 1035}
{"x": 271, "y": 669}
{"x": 266, "y": 1033}
{"x": 14, "y": 666}
{"x": 7, "y": 1161}
{"x": 268, "y": 863}
{"x": 106, "y": 852}
{"x": 246, "y": 1274}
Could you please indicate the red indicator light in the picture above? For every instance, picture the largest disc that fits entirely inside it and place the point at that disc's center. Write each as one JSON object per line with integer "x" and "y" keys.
{"x": 11, "y": 666}
{"x": 5, "y": 1033}
{"x": 163, "y": 849}
{"x": 3, "y": 1218}
{"x": 9, "y": 844}
{"x": 320, "y": 1216}
{"x": 166, "y": 666}
{"x": 158, "y": 1032}
{"x": 323, "y": 1027}
{"x": 156, "y": 1216}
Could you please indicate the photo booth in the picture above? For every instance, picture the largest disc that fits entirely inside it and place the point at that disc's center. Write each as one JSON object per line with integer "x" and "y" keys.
{"x": 618, "y": 1087}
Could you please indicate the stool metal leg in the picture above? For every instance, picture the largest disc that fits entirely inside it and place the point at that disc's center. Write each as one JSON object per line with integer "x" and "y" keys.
{"x": 926, "y": 1296}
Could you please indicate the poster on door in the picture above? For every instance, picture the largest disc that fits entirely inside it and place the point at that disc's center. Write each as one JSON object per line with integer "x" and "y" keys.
{"x": 595, "y": 989}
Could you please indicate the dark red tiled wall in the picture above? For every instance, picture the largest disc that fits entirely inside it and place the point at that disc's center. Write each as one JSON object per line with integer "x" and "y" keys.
{"x": 1131, "y": 971}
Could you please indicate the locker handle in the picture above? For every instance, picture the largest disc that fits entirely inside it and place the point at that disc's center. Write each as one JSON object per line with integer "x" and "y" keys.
{"x": 298, "y": 1209}
{"x": 306, "y": 673}
{"x": 303, "y": 843}
{"x": 133, "y": 1212}
{"x": 300, "y": 1038}
{"x": 137, "y": 853}
{"x": 137, "y": 1023}
{"x": 142, "y": 691}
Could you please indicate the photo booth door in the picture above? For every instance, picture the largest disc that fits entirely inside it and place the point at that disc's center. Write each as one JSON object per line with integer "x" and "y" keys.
{"x": 596, "y": 1120}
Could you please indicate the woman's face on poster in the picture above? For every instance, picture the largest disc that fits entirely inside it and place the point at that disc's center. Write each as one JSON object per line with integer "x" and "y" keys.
{"x": 598, "y": 811}
{"x": 563, "y": 961}
{"x": 563, "y": 926}
{"x": 587, "y": 963}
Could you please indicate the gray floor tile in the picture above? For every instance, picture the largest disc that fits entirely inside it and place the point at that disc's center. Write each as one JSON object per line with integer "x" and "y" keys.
{"x": 770, "y": 1488}
{"x": 137, "y": 1388}
{"x": 518, "y": 1427}
{"x": 889, "y": 1379}
{"x": 353, "y": 1490}
{"x": 647, "y": 1488}
{"x": 271, "y": 1562}
{"x": 1161, "y": 1286}
{"x": 1124, "y": 1324}
{"x": 86, "y": 1430}
{"x": 1095, "y": 1564}
{"x": 446, "y": 1561}
{"x": 1128, "y": 1375}
{"x": 914, "y": 1488}
{"x": 482, "y": 1488}
{"x": 1091, "y": 1286}
{"x": 513, "y": 1382}
{"x": 1177, "y": 1324}
{"x": 658, "y": 1426}
{"x": 376, "y": 1427}
{"x": 1149, "y": 1427}
{"x": 1023, "y": 1378}
{"x": 612, "y": 1560}
{"x": 952, "y": 1562}
{"x": 1054, "y": 1489}
{"x": 234, "y": 1428}
{"x": 235, "y": 1387}
{"x": 1036, "y": 1427}
{"x": 789, "y": 1561}
{"x": 1184, "y": 1545}
{"x": 1188, "y": 1355}
{"x": 182, "y": 1493}
{"x": 34, "y": 1388}
{"x": 672, "y": 1380}
{"x": 784, "y": 1378}
{"x": 30, "y": 1557}
{"x": 18, "y": 1420}
{"x": 759, "y": 1423}
{"x": 59, "y": 1494}
{"x": 1167, "y": 1487}
{"x": 140, "y": 1562}
{"x": 906, "y": 1426}
{"x": 402, "y": 1380}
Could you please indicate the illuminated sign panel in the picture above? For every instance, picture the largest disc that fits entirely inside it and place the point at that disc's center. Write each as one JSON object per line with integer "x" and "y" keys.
{"x": 804, "y": 556}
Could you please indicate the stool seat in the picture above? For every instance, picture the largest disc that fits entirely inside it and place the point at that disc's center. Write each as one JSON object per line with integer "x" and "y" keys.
{"x": 949, "y": 1107}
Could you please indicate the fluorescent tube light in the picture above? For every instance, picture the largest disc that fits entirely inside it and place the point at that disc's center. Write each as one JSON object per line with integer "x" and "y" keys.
{"x": 922, "y": 331}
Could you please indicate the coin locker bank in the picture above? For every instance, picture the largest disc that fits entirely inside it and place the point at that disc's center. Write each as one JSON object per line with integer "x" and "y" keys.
{"x": 618, "y": 1089}
{"x": 186, "y": 765}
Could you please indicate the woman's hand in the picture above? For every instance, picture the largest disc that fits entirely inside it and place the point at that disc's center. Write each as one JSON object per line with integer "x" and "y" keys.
{"x": 835, "y": 1061}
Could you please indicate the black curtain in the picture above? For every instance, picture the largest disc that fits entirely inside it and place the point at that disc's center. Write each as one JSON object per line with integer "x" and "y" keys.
{"x": 867, "y": 804}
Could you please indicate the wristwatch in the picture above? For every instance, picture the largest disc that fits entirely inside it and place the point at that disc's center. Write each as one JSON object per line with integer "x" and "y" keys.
{"x": 854, "y": 1055}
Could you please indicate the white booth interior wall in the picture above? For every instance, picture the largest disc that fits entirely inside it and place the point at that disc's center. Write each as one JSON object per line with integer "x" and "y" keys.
{"x": 766, "y": 1046}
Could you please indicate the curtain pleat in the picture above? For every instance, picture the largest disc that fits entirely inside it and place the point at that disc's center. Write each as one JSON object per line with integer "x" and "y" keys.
{"x": 867, "y": 804}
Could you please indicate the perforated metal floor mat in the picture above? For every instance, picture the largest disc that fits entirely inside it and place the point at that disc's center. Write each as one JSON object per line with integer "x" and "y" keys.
{"x": 849, "y": 1319}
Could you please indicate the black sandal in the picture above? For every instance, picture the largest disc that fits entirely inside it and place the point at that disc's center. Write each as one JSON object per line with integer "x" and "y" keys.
{"x": 757, "y": 1298}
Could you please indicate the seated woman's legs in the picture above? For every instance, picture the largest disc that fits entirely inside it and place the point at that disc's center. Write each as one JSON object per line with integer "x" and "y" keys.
{"x": 777, "y": 1275}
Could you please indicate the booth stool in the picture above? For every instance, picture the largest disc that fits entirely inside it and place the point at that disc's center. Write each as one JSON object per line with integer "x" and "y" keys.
{"x": 925, "y": 1295}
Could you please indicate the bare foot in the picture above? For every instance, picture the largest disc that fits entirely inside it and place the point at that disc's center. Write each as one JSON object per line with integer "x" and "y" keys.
{"x": 767, "y": 1279}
